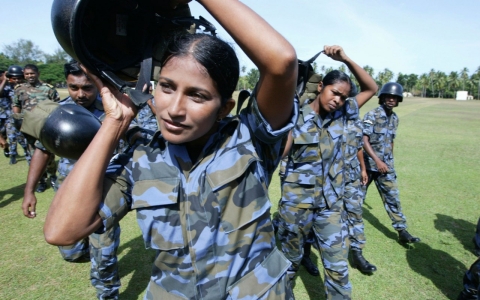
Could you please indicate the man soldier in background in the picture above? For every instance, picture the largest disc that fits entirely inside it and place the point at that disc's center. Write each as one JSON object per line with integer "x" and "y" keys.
{"x": 8, "y": 81}
{"x": 100, "y": 249}
{"x": 27, "y": 95}
{"x": 379, "y": 131}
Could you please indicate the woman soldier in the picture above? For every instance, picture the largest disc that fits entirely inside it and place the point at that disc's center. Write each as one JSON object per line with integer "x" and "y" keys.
{"x": 314, "y": 185}
{"x": 200, "y": 185}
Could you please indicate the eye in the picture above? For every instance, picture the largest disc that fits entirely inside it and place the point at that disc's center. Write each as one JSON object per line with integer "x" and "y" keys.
{"x": 166, "y": 87}
{"x": 197, "y": 97}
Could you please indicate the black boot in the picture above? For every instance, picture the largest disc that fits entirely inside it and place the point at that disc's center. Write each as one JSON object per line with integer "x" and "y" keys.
{"x": 361, "y": 263}
{"x": 13, "y": 159}
{"x": 42, "y": 186}
{"x": 405, "y": 237}
{"x": 6, "y": 152}
{"x": 53, "y": 182}
{"x": 307, "y": 262}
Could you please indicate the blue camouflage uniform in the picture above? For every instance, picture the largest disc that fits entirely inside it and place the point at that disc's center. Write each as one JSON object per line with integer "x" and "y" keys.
{"x": 381, "y": 131}
{"x": 354, "y": 192}
{"x": 6, "y": 122}
{"x": 209, "y": 221}
{"x": 471, "y": 283}
{"x": 101, "y": 248}
{"x": 146, "y": 119}
{"x": 313, "y": 195}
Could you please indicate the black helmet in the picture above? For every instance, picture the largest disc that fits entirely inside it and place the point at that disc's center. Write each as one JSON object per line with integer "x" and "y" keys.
{"x": 117, "y": 38}
{"x": 391, "y": 88}
{"x": 68, "y": 130}
{"x": 15, "y": 71}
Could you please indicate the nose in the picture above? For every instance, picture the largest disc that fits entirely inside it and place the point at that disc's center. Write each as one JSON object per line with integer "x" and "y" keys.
{"x": 81, "y": 94}
{"x": 176, "y": 105}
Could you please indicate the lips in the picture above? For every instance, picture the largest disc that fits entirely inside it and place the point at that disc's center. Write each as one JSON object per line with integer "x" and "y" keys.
{"x": 174, "y": 126}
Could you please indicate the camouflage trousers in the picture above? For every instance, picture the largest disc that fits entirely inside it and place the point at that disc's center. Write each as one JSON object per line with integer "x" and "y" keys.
{"x": 388, "y": 189}
{"x": 330, "y": 231}
{"x": 471, "y": 283}
{"x": 14, "y": 136}
{"x": 102, "y": 250}
{"x": 354, "y": 194}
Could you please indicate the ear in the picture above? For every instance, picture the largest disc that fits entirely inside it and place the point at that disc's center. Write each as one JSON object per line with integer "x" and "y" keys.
{"x": 226, "y": 108}
{"x": 320, "y": 86}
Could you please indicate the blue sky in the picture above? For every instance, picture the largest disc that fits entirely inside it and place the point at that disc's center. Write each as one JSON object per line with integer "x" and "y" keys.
{"x": 405, "y": 36}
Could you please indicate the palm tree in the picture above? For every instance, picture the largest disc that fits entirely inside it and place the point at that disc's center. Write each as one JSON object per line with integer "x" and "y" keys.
{"x": 369, "y": 70}
{"x": 464, "y": 76}
{"x": 423, "y": 83}
{"x": 453, "y": 82}
{"x": 441, "y": 84}
{"x": 342, "y": 68}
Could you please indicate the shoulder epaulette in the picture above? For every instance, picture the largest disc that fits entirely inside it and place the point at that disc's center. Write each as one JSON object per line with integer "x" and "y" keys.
{"x": 49, "y": 85}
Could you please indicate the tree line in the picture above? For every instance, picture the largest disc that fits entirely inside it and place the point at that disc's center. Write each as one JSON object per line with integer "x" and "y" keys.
{"x": 432, "y": 84}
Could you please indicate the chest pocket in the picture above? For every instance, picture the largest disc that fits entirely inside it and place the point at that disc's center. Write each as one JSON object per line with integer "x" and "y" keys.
{"x": 158, "y": 214}
{"x": 240, "y": 192}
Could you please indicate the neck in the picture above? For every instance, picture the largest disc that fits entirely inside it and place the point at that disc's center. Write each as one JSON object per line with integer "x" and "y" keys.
{"x": 387, "y": 110}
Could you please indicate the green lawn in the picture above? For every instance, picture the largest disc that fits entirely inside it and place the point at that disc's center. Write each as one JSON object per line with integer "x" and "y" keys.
{"x": 437, "y": 161}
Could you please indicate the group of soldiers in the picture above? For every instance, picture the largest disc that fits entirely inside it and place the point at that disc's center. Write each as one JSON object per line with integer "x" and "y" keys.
{"x": 21, "y": 90}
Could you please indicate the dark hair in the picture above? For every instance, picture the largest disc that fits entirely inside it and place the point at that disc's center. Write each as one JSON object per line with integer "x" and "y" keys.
{"x": 2, "y": 71}
{"x": 31, "y": 67}
{"x": 336, "y": 76}
{"x": 216, "y": 56}
{"x": 73, "y": 68}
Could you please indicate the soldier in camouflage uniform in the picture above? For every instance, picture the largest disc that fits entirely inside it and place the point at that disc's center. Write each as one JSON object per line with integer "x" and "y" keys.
{"x": 314, "y": 185}
{"x": 100, "y": 249}
{"x": 379, "y": 130}
{"x": 200, "y": 187}
{"x": 11, "y": 78}
{"x": 26, "y": 97}
{"x": 471, "y": 283}
{"x": 356, "y": 179}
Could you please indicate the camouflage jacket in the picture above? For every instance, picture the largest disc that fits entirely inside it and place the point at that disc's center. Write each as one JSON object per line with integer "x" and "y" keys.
{"x": 27, "y": 96}
{"x": 354, "y": 139}
{"x": 381, "y": 131}
{"x": 6, "y": 101}
{"x": 315, "y": 176}
{"x": 210, "y": 220}
{"x": 65, "y": 165}
{"x": 147, "y": 119}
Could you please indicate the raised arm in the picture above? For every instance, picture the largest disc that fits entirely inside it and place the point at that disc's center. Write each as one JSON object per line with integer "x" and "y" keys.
{"x": 73, "y": 213}
{"x": 368, "y": 87}
{"x": 273, "y": 55}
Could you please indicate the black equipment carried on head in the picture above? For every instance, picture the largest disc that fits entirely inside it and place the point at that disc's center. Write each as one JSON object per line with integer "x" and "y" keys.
{"x": 391, "y": 88}
{"x": 15, "y": 71}
{"x": 121, "y": 40}
{"x": 64, "y": 130}
{"x": 305, "y": 73}
{"x": 68, "y": 130}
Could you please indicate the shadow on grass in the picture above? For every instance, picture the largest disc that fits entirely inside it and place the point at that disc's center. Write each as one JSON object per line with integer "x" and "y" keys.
{"x": 443, "y": 270}
{"x": 138, "y": 261}
{"x": 15, "y": 193}
{"x": 314, "y": 285}
{"x": 463, "y": 230}
{"x": 375, "y": 222}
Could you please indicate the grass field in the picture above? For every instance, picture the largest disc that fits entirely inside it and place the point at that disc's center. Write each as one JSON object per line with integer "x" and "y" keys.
{"x": 437, "y": 161}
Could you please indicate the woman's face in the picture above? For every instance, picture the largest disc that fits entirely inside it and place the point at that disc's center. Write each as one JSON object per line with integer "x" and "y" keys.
{"x": 187, "y": 101}
{"x": 332, "y": 97}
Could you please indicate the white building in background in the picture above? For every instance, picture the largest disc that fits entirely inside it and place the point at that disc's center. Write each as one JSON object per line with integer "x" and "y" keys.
{"x": 462, "y": 95}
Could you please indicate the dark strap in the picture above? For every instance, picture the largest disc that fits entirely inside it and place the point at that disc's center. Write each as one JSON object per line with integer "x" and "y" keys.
{"x": 304, "y": 70}
{"x": 242, "y": 96}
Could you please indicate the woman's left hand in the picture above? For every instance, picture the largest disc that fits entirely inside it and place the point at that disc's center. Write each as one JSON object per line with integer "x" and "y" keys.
{"x": 336, "y": 53}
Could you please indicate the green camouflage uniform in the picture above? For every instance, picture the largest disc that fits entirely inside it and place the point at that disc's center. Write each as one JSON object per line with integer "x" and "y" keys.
{"x": 209, "y": 221}
{"x": 26, "y": 97}
{"x": 354, "y": 192}
{"x": 101, "y": 248}
{"x": 381, "y": 131}
{"x": 312, "y": 195}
